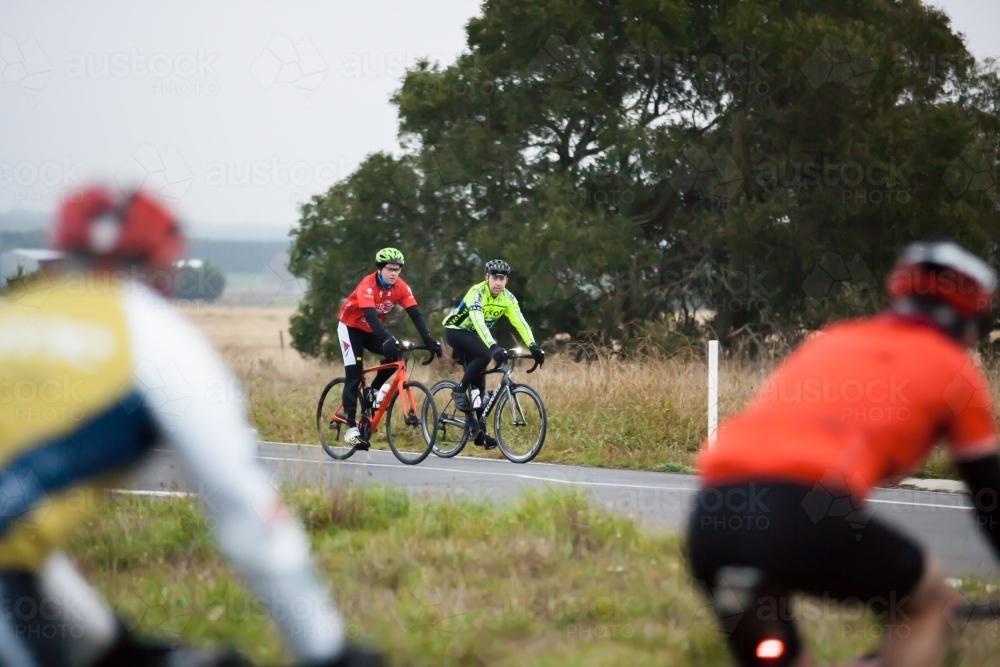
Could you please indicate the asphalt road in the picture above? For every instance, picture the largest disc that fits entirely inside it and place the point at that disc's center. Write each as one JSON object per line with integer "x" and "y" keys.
{"x": 944, "y": 522}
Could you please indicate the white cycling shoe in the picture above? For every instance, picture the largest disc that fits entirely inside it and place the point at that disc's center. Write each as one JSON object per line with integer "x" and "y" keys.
{"x": 353, "y": 436}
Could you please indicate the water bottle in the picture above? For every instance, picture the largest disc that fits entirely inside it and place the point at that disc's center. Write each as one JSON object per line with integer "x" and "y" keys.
{"x": 382, "y": 391}
{"x": 487, "y": 397}
{"x": 477, "y": 401}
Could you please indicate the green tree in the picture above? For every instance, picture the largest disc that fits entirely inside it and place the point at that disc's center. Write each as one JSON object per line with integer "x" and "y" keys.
{"x": 201, "y": 281}
{"x": 756, "y": 163}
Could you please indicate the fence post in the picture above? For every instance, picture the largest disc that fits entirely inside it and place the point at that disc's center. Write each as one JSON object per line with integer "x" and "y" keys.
{"x": 713, "y": 390}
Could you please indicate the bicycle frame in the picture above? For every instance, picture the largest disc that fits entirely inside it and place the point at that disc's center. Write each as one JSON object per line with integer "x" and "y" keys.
{"x": 507, "y": 369}
{"x": 399, "y": 379}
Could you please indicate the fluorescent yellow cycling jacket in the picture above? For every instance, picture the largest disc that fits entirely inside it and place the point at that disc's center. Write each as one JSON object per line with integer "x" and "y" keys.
{"x": 479, "y": 310}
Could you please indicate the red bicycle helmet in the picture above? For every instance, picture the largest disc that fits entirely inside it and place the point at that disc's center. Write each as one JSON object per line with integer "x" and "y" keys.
{"x": 133, "y": 227}
{"x": 947, "y": 273}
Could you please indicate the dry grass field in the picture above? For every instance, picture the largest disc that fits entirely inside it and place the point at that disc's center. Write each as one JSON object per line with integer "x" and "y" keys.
{"x": 648, "y": 414}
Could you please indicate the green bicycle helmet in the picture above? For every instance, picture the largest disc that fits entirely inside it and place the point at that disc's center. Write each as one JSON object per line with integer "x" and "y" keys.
{"x": 387, "y": 255}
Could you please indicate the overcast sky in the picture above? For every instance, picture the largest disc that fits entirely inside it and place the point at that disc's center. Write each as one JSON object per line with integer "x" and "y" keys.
{"x": 236, "y": 111}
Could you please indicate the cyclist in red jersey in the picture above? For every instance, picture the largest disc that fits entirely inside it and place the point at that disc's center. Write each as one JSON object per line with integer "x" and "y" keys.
{"x": 783, "y": 507}
{"x": 360, "y": 328}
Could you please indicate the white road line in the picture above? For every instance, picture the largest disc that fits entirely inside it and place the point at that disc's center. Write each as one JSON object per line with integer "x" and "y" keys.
{"x": 903, "y": 502}
{"x": 479, "y": 472}
{"x": 580, "y": 482}
{"x": 525, "y": 476}
{"x": 157, "y": 494}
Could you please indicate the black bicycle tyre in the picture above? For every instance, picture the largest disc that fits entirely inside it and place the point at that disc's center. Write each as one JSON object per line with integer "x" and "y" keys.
{"x": 406, "y": 458}
{"x": 498, "y": 412}
{"x": 322, "y": 425}
{"x": 444, "y": 385}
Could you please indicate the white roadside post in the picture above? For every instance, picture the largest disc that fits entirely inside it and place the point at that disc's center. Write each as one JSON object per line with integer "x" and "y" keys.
{"x": 713, "y": 390}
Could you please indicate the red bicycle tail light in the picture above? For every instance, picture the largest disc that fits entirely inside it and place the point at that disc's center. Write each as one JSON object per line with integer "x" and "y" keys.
{"x": 770, "y": 649}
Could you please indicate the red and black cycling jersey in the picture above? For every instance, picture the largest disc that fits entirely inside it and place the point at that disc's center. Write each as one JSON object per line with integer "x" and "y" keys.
{"x": 370, "y": 294}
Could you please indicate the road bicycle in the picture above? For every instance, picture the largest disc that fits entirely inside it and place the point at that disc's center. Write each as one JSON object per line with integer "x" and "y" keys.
{"x": 519, "y": 420}
{"x": 404, "y": 408}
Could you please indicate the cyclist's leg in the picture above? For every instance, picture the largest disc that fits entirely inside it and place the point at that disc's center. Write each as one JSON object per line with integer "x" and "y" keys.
{"x": 919, "y": 638}
{"x": 803, "y": 543}
{"x": 352, "y": 344}
{"x": 374, "y": 344}
{"x": 475, "y": 353}
{"x": 730, "y": 564}
{"x": 896, "y": 581}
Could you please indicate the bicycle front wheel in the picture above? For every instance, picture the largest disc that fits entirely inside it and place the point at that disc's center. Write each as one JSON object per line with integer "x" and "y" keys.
{"x": 404, "y": 423}
{"x": 450, "y": 432}
{"x": 520, "y": 423}
{"x": 331, "y": 422}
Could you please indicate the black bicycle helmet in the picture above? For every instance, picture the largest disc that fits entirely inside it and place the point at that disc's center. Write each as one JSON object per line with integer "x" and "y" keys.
{"x": 497, "y": 267}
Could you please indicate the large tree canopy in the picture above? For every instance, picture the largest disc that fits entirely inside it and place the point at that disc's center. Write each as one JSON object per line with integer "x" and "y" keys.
{"x": 756, "y": 164}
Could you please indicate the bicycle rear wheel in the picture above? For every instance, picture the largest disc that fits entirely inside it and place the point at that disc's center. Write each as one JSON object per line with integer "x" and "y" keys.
{"x": 451, "y": 430}
{"x": 520, "y": 423}
{"x": 405, "y": 426}
{"x": 331, "y": 423}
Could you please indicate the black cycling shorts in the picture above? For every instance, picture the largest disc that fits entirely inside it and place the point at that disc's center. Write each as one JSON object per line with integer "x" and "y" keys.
{"x": 750, "y": 545}
{"x": 466, "y": 346}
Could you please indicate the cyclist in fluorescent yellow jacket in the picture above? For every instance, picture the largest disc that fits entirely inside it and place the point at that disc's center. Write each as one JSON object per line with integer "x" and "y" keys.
{"x": 467, "y": 330}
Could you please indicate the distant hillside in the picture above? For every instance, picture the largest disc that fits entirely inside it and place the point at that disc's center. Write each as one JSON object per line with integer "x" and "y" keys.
{"x": 22, "y": 239}
{"x": 21, "y": 220}
{"x": 238, "y": 256}
{"x": 230, "y": 256}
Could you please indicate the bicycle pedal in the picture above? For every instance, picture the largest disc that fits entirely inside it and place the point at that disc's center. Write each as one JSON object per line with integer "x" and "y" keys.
{"x": 362, "y": 445}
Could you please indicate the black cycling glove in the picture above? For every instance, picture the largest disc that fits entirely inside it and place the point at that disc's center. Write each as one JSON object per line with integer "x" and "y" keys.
{"x": 434, "y": 346}
{"x": 498, "y": 353}
{"x": 390, "y": 348}
{"x": 537, "y": 354}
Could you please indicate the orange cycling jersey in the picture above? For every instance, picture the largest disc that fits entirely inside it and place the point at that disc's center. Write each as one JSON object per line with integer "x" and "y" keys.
{"x": 369, "y": 294}
{"x": 859, "y": 404}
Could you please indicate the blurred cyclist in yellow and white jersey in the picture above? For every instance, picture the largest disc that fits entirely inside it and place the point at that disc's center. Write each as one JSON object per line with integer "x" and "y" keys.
{"x": 87, "y": 357}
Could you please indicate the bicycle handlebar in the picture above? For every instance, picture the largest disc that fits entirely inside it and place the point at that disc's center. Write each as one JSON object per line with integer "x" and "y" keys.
{"x": 409, "y": 346}
{"x": 513, "y": 353}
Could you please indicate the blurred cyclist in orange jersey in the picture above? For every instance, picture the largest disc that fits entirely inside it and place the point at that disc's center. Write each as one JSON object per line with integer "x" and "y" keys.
{"x": 783, "y": 507}
{"x": 96, "y": 327}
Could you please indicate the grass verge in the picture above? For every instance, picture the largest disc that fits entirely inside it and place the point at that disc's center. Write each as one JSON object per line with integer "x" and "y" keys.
{"x": 548, "y": 580}
{"x": 647, "y": 415}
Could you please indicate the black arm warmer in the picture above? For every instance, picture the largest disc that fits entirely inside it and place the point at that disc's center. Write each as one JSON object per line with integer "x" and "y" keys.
{"x": 419, "y": 322}
{"x": 983, "y": 477}
{"x": 371, "y": 317}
